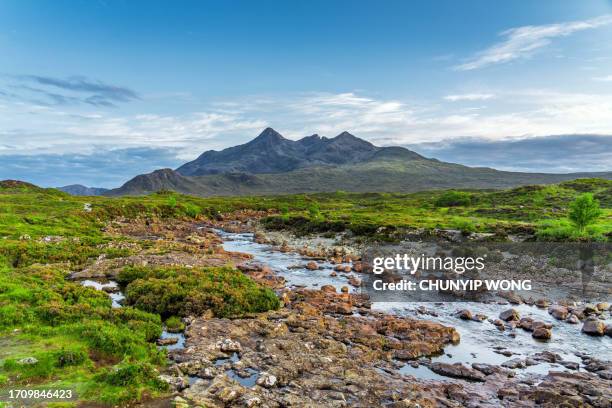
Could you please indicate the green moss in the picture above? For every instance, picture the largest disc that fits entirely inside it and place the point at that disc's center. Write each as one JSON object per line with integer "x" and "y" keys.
{"x": 168, "y": 292}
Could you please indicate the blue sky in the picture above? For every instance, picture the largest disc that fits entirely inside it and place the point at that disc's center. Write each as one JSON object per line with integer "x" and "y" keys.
{"x": 94, "y": 92}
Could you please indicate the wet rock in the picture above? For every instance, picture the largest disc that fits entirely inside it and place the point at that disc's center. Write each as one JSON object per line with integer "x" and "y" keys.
{"x": 608, "y": 330}
{"x": 266, "y": 380}
{"x": 333, "y": 274}
{"x": 354, "y": 281}
{"x": 514, "y": 363}
{"x": 593, "y": 327}
{"x": 167, "y": 341}
{"x": 457, "y": 370}
{"x": 542, "y": 303}
{"x": 312, "y": 266}
{"x": 489, "y": 369}
{"x": 542, "y": 333}
{"x": 479, "y": 317}
{"x": 344, "y": 289}
{"x": 573, "y": 319}
{"x": 570, "y": 365}
{"x": 558, "y": 312}
{"x": 602, "y": 306}
{"x": 509, "y": 315}
{"x": 526, "y": 323}
{"x": 499, "y": 324}
{"x": 464, "y": 314}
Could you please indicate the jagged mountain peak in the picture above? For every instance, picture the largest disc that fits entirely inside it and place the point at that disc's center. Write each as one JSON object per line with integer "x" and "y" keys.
{"x": 270, "y": 152}
{"x": 268, "y": 135}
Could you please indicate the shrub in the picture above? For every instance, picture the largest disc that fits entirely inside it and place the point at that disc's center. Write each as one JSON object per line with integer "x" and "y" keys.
{"x": 174, "y": 324}
{"x": 584, "y": 211}
{"x": 70, "y": 357}
{"x": 130, "y": 374}
{"x": 453, "y": 199}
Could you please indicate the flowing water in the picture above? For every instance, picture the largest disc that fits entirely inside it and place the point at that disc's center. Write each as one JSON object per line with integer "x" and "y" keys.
{"x": 479, "y": 340}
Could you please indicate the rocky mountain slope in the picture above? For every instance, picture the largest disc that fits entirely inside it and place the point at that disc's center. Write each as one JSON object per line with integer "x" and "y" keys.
{"x": 271, "y": 164}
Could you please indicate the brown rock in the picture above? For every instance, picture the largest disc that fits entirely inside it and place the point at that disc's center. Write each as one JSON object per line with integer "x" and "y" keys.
{"x": 312, "y": 266}
{"x": 328, "y": 289}
{"x": 509, "y": 315}
{"x": 542, "y": 333}
{"x": 593, "y": 326}
{"x": 464, "y": 314}
{"x": 558, "y": 312}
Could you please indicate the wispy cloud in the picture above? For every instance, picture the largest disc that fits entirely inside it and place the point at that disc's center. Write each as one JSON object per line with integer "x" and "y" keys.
{"x": 521, "y": 42}
{"x": 607, "y": 78}
{"x": 76, "y": 90}
{"x": 469, "y": 97}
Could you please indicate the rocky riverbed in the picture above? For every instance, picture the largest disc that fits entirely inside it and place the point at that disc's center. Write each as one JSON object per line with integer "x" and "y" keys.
{"x": 329, "y": 346}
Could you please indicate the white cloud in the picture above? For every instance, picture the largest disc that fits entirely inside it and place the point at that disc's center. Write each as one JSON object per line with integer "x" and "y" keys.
{"x": 469, "y": 97}
{"x": 521, "y": 42}
{"x": 607, "y": 78}
{"x": 510, "y": 113}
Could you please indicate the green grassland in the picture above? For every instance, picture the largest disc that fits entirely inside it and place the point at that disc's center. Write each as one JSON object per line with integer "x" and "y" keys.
{"x": 108, "y": 355}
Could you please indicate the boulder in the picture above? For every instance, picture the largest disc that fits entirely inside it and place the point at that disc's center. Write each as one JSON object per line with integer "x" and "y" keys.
{"x": 573, "y": 319}
{"x": 509, "y": 315}
{"x": 312, "y": 266}
{"x": 593, "y": 327}
{"x": 230, "y": 346}
{"x": 558, "y": 312}
{"x": 542, "y": 333}
{"x": 464, "y": 314}
{"x": 266, "y": 380}
{"x": 328, "y": 288}
{"x": 542, "y": 303}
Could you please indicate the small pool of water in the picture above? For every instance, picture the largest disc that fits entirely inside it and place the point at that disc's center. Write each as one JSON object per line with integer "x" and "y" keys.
{"x": 249, "y": 381}
{"x": 180, "y": 344}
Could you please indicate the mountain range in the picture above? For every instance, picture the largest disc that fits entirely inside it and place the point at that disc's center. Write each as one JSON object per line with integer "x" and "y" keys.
{"x": 272, "y": 164}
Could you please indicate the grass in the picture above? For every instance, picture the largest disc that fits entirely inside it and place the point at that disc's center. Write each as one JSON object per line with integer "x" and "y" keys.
{"x": 108, "y": 355}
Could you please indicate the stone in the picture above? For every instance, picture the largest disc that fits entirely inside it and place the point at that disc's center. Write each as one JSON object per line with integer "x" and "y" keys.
{"x": 312, "y": 266}
{"x": 228, "y": 345}
{"x": 266, "y": 380}
{"x": 344, "y": 289}
{"x": 558, "y": 312}
{"x": 542, "y": 333}
{"x": 457, "y": 370}
{"x": 573, "y": 319}
{"x": 608, "y": 330}
{"x": 328, "y": 289}
{"x": 28, "y": 361}
{"x": 176, "y": 383}
{"x": 514, "y": 363}
{"x": 542, "y": 303}
{"x": 464, "y": 314}
{"x": 509, "y": 315}
{"x": 167, "y": 341}
{"x": 593, "y": 327}
{"x": 602, "y": 306}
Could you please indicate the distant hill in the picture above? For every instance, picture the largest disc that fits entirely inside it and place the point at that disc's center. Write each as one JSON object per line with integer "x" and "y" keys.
{"x": 271, "y": 164}
{"x": 81, "y": 190}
